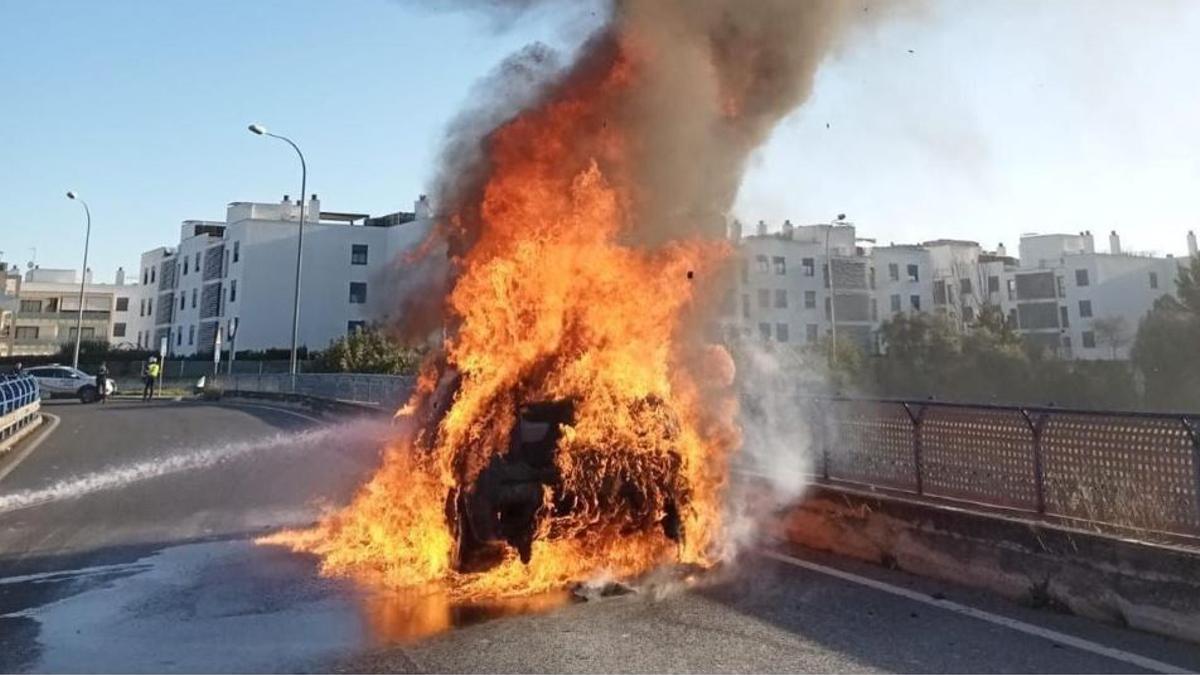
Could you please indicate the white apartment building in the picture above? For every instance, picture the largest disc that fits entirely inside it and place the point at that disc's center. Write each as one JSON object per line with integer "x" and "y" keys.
{"x": 1083, "y": 304}
{"x": 47, "y": 311}
{"x": 784, "y": 293}
{"x": 1060, "y": 294}
{"x": 241, "y": 272}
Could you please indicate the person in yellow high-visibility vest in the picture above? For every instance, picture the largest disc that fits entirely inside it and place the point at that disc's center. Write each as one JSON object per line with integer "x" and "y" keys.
{"x": 149, "y": 376}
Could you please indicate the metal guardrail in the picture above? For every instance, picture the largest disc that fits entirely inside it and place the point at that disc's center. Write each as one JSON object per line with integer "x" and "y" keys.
{"x": 1125, "y": 470}
{"x": 382, "y": 391}
{"x": 20, "y": 400}
{"x": 1138, "y": 471}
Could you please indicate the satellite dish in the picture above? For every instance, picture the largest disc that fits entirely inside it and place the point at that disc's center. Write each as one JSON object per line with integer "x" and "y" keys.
{"x": 29, "y": 265}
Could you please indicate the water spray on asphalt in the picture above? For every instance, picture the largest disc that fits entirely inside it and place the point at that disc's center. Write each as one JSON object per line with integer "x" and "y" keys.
{"x": 124, "y": 475}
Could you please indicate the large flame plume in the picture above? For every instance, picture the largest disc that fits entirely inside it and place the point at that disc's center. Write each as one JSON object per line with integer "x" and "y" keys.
{"x": 583, "y": 236}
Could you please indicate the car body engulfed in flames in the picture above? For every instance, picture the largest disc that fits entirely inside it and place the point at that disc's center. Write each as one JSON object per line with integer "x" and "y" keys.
{"x": 522, "y": 495}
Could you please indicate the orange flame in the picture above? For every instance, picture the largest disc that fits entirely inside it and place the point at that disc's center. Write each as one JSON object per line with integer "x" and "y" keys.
{"x": 550, "y": 303}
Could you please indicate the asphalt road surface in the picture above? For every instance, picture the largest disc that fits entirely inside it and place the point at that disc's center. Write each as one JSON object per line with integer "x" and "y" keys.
{"x": 126, "y": 545}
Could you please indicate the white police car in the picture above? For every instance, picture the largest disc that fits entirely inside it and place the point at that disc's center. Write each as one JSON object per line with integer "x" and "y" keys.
{"x": 57, "y": 381}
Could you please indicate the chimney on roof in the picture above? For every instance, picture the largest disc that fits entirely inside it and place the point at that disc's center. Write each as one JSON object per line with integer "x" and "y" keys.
{"x": 1089, "y": 242}
{"x": 789, "y": 230}
{"x": 761, "y": 230}
{"x": 1191, "y": 238}
{"x": 422, "y": 209}
{"x": 735, "y": 231}
{"x": 287, "y": 199}
{"x": 1000, "y": 250}
{"x": 120, "y": 281}
{"x": 1114, "y": 243}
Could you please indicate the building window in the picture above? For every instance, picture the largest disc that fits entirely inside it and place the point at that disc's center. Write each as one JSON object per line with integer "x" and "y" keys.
{"x": 810, "y": 332}
{"x": 809, "y": 266}
{"x": 358, "y": 254}
{"x": 194, "y": 293}
{"x": 1061, "y": 288}
{"x": 939, "y": 292}
{"x": 232, "y": 290}
{"x": 197, "y": 261}
{"x": 145, "y": 276}
{"x": 914, "y": 273}
{"x": 182, "y": 300}
{"x": 1064, "y": 322}
{"x": 142, "y": 307}
{"x": 150, "y": 307}
{"x": 192, "y": 334}
{"x": 828, "y": 310}
{"x": 122, "y": 304}
{"x": 27, "y": 332}
{"x": 874, "y": 309}
{"x": 894, "y": 271}
{"x": 780, "y": 298}
{"x": 237, "y": 251}
{"x": 179, "y": 336}
{"x": 33, "y": 306}
{"x": 152, "y": 270}
{"x": 745, "y": 265}
{"x": 764, "y": 331}
{"x": 764, "y": 298}
{"x": 746, "y": 305}
{"x": 1012, "y": 289}
{"x": 781, "y": 332}
{"x": 185, "y": 267}
{"x": 779, "y": 264}
{"x": 964, "y": 286}
{"x": 763, "y": 265}
{"x": 355, "y": 327}
{"x": 88, "y": 333}
{"x": 895, "y": 303}
{"x": 1081, "y": 279}
{"x": 1154, "y": 280}
{"x": 1089, "y": 339}
{"x": 915, "y": 301}
{"x": 872, "y": 278}
{"x": 810, "y": 299}
{"x": 358, "y": 293}
{"x": 993, "y": 284}
{"x": 1085, "y": 309}
{"x": 118, "y": 330}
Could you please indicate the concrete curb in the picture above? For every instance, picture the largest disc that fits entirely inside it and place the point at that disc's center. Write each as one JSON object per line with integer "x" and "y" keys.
{"x": 9, "y": 463}
{"x": 1151, "y": 587}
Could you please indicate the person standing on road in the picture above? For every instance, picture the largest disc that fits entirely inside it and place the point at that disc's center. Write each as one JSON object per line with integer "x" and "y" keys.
{"x": 102, "y": 383}
{"x": 149, "y": 375}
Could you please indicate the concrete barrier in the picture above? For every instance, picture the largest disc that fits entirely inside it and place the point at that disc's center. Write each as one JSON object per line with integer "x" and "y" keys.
{"x": 20, "y": 402}
{"x": 1147, "y": 586}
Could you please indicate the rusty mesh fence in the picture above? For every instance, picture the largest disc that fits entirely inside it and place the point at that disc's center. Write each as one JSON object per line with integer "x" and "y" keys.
{"x": 1137, "y": 471}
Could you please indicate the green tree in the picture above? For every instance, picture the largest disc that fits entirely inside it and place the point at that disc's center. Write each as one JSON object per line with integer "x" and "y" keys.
{"x": 368, "y": 351}
{"x": 1166, "y": 350}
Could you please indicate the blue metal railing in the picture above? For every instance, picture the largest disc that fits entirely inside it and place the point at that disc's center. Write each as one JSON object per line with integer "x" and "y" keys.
{"x": 16, "y": 392}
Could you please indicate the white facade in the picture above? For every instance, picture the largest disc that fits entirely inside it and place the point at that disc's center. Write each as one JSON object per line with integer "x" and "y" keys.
{"x": 47, "y": 312}
{"x": 1084, "y": 304}
{"x": 1061, "y": 294}
{"x": 242, "y": 271}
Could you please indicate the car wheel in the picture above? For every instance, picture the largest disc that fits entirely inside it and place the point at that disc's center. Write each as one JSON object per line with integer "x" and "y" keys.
{"x": 87, "y": 394}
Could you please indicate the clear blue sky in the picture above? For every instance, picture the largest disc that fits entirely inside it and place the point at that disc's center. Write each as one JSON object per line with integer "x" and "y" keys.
{"x": 1006, "y": 117}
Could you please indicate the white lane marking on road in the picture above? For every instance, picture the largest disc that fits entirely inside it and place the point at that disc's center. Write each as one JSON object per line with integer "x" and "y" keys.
{"x": 271, "y": 407}
{"x": 78, "y": 573}
{"x": 1014, "y": 624}
{"x": 32, "y": 445}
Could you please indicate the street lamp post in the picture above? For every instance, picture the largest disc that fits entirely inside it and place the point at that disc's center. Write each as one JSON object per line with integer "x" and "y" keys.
{"x": 832, "y": 292}
{"x": 87, "y": 237}
{"x": 262, "y": 131}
